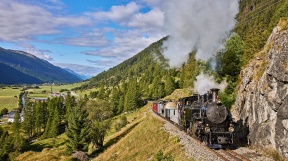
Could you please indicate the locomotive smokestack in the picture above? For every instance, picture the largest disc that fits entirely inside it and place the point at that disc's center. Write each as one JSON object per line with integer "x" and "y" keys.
{"x": 214, "y": 94}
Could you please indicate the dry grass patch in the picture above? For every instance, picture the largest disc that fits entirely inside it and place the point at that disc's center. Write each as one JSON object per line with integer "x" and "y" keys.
{"x": 178, "y": 93}
{"x": 144, "y": 139}
{"x": 55, "y": 154}
{"x": 283, "y": 23}
{"x": 47, "y": 150}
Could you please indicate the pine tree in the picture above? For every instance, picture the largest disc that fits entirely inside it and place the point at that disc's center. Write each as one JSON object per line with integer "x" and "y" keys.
{"x": 115, "y": 100}
{"x": 18, "y": 142}
{"x": 43, "y": 111}
{"x": 132, "y": 97}
{"x": 189, "y": 72}
{"x": 28, "y": 123}
{"x": 16, "y": 124}
{"x": 56, "y": 115}
{"x": 54, "y": 130}
{"x": 69, "y": 102}
{"x": 50, "y": 114}
{"x": 121, "y": 104}
{"x": 101, "y": 93}
{"x": 37, "y": 115}
{"x": 169, "y": 85}
{"x": 77, "y": 129}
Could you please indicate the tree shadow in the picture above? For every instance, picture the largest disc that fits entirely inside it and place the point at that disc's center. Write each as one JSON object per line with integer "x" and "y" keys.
{"x": 38, "y": 147}
{"x": 113, "y": 141}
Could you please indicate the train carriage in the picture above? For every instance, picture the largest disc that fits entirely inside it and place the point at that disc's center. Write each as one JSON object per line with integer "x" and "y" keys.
{"x": 154, "y": 107}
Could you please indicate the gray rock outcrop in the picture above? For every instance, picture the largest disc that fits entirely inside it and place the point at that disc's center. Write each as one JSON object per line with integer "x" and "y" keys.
{"x": 262, "y": 100}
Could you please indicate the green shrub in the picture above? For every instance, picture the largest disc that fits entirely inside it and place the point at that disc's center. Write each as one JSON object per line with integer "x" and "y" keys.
{"x": 4, "y": 111}
{"x": 121, "y": 123}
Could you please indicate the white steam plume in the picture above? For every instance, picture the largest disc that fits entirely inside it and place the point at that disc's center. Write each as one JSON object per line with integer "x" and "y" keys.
{"x": 204, "y": 83}
{"x": 196, "y": 24}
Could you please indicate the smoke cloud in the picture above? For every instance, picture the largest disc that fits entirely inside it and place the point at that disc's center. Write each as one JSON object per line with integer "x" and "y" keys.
{"x": 204, "y": 83}
{"x": 196, "y": 24}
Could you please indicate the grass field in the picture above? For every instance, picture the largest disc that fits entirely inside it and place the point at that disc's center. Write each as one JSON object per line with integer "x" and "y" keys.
{"x": 9, "y": 92}
{"x": 7, "y": 99}
{"x": 55, "y": 88}
{"x": 8, "y": 102}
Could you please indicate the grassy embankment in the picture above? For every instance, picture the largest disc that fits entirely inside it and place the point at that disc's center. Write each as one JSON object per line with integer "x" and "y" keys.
{"x": 142, "y": 139}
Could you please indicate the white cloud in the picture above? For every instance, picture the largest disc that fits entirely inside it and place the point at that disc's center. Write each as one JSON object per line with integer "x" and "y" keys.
{"x": 94, "y": 38}
{"x": 23, "y": 21}
{"x": 117, "y": 13}
{"x": 152, "y": 19}
{"x": 126, "y": 44}
{"x": 85, "y": 70}
{"x": 40, "y": 53}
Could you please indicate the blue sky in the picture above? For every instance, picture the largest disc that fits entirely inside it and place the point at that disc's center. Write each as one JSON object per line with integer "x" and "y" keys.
{"x": 87, "y": 36}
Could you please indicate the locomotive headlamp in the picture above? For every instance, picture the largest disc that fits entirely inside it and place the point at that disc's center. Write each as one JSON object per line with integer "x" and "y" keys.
{"x": 207, "y": 129}
{"x": 231, "y": 129}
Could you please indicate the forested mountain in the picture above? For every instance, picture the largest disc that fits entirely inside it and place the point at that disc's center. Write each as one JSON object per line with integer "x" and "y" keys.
{"x": 151, "y": 72}
{"x": 23, "y": 67}
{"x": 10, "y": 75}
{"x": 256, "y": 20}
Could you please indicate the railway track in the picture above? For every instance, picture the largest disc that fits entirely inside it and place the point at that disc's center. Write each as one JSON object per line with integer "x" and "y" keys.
{"x": 226, "y": 155}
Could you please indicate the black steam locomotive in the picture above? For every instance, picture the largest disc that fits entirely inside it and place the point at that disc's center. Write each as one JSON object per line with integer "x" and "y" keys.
{"x": 207, "y": 119}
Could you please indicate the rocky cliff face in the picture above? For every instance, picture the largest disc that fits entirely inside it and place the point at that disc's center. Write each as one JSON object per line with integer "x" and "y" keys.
{"x": 262, "y": 100}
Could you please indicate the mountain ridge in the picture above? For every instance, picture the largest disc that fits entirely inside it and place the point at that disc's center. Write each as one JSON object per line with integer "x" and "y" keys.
{"x": 33, "y": 66}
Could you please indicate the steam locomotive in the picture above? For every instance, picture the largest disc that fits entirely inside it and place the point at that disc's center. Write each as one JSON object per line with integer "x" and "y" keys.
{"x": 202, "y": 116}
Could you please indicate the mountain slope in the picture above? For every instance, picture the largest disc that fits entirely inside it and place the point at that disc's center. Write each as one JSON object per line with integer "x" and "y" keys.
{"x": 256, "y": 20}
{"x": 10, "y": 75}
{"x": 133, "y": 66}
{"x": 34, "y": 67}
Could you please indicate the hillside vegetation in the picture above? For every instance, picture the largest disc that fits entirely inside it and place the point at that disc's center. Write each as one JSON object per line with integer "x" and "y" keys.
{"x": 256, "y": 20}
{"x": 10, "y": 75}
{"x": 18, "y": 67}
{"x": 125, "y": 144}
